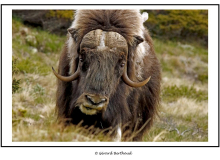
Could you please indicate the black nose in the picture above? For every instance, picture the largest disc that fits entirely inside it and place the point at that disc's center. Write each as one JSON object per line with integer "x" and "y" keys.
{"x": 96, "y": 99}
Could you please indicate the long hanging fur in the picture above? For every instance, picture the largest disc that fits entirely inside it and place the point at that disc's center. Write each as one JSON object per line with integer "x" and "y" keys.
{"x": 133, "y": 106}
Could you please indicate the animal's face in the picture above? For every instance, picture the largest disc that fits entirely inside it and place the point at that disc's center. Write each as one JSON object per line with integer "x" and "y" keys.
{"x": 101, "y": 63}
{"x": 102, "y": 58}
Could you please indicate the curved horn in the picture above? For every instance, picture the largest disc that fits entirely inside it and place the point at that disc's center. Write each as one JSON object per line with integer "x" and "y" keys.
{"x": 131, "y": 83}
{"x": 67, "y": 79}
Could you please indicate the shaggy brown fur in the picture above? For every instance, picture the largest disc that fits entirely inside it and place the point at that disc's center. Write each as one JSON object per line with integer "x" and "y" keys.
{"x": 127, "y": 106}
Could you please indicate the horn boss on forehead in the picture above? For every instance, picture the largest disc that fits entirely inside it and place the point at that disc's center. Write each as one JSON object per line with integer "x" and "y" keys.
{"x": 98, "y": 39}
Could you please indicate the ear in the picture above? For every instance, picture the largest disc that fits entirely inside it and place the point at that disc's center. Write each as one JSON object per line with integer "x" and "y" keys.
{"x": 138, "y": 39}
{"x": 74, "y": 33}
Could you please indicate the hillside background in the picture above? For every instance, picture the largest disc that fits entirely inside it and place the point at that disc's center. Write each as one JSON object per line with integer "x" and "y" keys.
{"x": 181, "y": 44}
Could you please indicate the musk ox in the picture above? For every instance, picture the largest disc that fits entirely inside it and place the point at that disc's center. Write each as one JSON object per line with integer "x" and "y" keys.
{"x": 108, "y": 74}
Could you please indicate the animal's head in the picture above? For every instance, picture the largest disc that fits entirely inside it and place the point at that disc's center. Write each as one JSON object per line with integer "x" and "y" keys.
{"x": 101, "y": 63}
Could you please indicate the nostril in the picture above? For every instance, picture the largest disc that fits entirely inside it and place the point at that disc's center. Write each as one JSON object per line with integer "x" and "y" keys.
{"x": 95, "y": 100}
{"x": 89, "y": 99}
{"x": 103, "y": 100}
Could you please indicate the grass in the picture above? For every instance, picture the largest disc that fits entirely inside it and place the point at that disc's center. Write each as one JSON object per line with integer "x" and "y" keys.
{"x": 183, "y": 114}
{"x": 172, "y": 93}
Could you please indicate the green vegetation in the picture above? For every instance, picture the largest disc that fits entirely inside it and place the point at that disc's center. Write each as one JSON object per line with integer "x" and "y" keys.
{"x": 181, "y": 59}
{"x": 34, "y": 48}
{"x": 172, "y": 93}
{"x": 15, "y": 82}
{"x": 67, "y": 14}
{"x": 183, "y": 114}
{"x": 179, "y": 24}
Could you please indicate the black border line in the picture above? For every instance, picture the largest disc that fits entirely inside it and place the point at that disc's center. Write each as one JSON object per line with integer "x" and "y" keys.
{"x": 1, "y": 75}
{"x": 218, "y": 77}
{"x": 112, "y": 5}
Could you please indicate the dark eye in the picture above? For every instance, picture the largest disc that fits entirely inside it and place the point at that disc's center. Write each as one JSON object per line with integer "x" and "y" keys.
{"x": 82, "y": 56}
{"x": 81, "y": 59}
{"x": 122, "y": 64}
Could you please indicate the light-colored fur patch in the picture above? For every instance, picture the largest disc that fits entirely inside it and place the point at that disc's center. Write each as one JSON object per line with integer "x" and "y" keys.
{"x": 144, "y": 16}
{"x": 117, "y": 138}
{"x": 70, "y": 50}
{"x": 69, "y": 44}
{"x": 102, "y": 41}
{"x": 71, "y": 71}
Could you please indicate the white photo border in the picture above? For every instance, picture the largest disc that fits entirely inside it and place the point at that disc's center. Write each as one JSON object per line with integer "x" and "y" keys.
{"x": 213, "y": 65}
